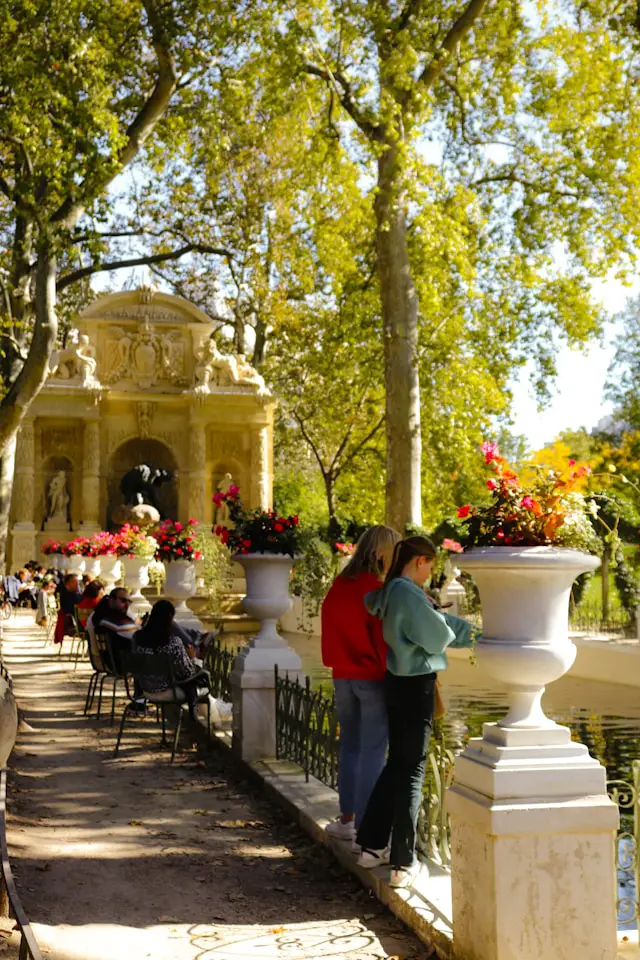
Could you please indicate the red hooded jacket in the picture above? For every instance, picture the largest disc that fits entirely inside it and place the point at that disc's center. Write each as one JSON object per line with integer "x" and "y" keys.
{"x": 352, "y": 641}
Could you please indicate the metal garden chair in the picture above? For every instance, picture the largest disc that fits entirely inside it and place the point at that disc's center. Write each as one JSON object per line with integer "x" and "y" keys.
{"x": 140, "y": 666}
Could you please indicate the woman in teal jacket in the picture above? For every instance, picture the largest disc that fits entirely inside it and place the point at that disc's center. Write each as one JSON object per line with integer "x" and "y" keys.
{"x": 417, "y": 636}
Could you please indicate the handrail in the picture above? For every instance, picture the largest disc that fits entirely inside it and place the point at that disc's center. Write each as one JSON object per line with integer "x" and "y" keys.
{"x": 29, "y": 949}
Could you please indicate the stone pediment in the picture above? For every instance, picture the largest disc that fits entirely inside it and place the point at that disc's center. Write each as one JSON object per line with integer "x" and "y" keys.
{"x": 156, "y": 342}
{"x": 140, "y": 305}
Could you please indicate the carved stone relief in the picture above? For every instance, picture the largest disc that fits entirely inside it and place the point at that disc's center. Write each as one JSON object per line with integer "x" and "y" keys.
{"x": 145, "y": 411}
{"x": 144, "y": 356}
{"x": 91, "y": 448}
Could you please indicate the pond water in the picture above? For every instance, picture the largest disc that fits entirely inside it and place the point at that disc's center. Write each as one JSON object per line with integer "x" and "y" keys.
{"x": 603, "y": 716}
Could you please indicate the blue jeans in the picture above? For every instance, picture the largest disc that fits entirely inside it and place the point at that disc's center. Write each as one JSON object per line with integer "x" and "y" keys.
{"x": 362, "y": 715}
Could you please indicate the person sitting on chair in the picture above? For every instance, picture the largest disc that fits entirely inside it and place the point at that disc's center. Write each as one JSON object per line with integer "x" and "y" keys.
{"x": 46, "y": 602}
{"x": 112, "y": 615}
{"x": 69, "y": 596}
{"x": 93, "y": 594}
{"x": 158, "y": 637}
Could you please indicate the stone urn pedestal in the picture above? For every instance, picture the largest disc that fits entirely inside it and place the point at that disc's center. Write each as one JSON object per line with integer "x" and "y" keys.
{"x": 136, "y": 576}
{"x": 75, "y": 564}
{"x": 92, "y": 566}
{"x": 253, "y": 674}
{"x": 180, "y": 585}
{"x": 110, "y": 571}
{"x": 533, "y": 831}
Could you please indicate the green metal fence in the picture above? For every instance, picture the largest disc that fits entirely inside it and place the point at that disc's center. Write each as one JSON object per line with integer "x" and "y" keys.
{"x": 626, "y": 794}
{"x": 307, "y": 733}
{"x": 218, "y": 660}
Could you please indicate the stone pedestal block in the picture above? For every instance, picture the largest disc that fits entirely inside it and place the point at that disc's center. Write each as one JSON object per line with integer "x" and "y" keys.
{"x": 254, "y": 700}
{"x": 533, "y": 849}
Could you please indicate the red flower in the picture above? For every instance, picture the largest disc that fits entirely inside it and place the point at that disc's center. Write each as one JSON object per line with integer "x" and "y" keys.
{"x": 246, "y": 543}
{"x": 490, "y": 451}
{"x": 278, "y": 527}
{"x": 218, "y": 499}
{"x": 198, "y": 555}
{"x": 464, "y": 511}
{"x": 492, "y": 484}
{"x": 295, "y": 520}
{"x": 179, "y": 552}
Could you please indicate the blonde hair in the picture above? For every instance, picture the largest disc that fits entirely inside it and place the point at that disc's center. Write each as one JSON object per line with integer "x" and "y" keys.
{"x": 366, "y": 559}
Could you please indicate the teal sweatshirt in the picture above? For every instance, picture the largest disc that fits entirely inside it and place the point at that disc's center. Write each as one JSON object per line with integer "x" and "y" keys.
{"x": 417, "y": 635}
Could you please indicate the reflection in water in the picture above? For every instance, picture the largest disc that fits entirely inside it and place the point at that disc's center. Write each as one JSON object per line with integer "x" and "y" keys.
{"x": 603, "y": 716}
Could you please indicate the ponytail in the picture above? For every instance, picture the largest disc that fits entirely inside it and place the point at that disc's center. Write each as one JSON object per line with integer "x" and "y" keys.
{"x": 406, "y": 550}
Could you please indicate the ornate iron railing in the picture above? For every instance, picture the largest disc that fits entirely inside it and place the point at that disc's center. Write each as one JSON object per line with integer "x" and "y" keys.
{"x": 9, "y": 900}
{"x": 307, "y": 729}
{"x": 218, "y": 660}
{"x": 627, "y": 796}
{"x": 307, "y": 732}
{"x": 586, "y": 618}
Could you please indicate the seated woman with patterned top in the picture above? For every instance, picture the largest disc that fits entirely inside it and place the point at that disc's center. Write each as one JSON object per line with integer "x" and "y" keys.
{"x": 158, "y": 637}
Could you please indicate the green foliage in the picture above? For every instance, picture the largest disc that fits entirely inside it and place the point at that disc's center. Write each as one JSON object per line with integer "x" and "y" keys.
{"x": 626, "y": 582}
{"x": 216, "y": 566}
{"x": 313, "y": 574}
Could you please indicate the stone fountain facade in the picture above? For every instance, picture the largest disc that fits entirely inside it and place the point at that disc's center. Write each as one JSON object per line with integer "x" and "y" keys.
{"x": 139, "y": 380}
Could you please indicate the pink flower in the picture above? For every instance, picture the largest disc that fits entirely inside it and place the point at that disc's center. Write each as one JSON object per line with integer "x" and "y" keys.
{"x": 198, "y": 555}
{"x": 464, "y": 511}
{"x": 233, "y": 491}
{"x": 490, "y": 451}
{"x": 492, "y": 484}
{"x": 572, "y": 463}
{"x": 452, "y": 545}
{"x": 528, "y": 503}
{"x": 218, "y": 499}
{"x": 178, "y": 527}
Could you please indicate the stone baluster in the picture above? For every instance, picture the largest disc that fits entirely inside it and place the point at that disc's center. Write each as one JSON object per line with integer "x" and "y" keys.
{"x": 91, "y": 477}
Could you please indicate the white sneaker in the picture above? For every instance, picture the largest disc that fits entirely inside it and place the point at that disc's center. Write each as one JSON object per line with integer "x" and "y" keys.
{"x": 373, "y": 858}
{"x": 404, "y": 876}
{"x": 340, "y": 830}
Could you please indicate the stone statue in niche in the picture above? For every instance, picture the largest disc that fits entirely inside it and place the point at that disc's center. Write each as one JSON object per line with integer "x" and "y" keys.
{"x": 58, "y": 497}
{"x": 222, "y": 518}
{"x": 76, "y": 360}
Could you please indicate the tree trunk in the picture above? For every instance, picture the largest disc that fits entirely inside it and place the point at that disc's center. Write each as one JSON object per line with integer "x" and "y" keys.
{"x": 400, "y": 318}
{"x": 7, "y": 464}
{"x": 260, "y": 344}
{"x": 35, "y": 370}
{"x": 333, "y": 529}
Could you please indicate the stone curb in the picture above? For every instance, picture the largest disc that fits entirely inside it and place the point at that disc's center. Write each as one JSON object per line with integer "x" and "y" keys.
{"x": 425, "y": 908}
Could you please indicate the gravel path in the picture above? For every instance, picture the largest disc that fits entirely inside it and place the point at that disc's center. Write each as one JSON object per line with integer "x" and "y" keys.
{"x": 132, "y": 858}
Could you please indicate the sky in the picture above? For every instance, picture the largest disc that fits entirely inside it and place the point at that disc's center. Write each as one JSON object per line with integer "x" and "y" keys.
{"x": 578, "y": 399}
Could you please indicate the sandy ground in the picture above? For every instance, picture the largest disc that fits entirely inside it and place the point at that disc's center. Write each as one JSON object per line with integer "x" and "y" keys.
{"x": 132, "y": 858}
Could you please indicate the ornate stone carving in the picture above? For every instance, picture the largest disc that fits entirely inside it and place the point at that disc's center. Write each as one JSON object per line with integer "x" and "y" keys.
{"x": 23, "y": 497}
{"x": 25, "y": 446}
{"x": 197, "y": 498}
{"x": 145, "y": 411}
{"x": 56, "y": 442}
{"x": 76, "y": 361}
{"x": 91, "y": 448}
{"x": 144, "y": 356}
{"x": 197, "y": 447}
{"x": 223, "y": 369}
{"x": 146, "y": 293}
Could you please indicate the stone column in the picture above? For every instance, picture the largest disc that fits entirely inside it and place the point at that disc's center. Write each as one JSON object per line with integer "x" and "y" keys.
{"x": 23, "y": 497}
{"x": 260, "y": 473}
{"x": 91, "y": 477}
{"x": 197, "y": 473}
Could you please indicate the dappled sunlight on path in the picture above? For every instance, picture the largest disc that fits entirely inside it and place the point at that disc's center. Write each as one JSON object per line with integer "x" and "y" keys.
{"x": 135, "y": 858}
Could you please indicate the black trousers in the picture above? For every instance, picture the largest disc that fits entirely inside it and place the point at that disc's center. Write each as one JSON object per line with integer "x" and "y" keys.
{"x": 394, "y": 805}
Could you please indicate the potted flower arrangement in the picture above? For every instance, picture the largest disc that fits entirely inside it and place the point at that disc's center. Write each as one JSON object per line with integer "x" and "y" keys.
{"x": 53, "y": 550}
{"x": 136, "y": 549}
{"x": 104, "y": 549}
{"x": 75, "y": 552}
{"x": 265, "y": 545}
{"x": 343, "y": 552}
{"x": 175, "y": 547}
{"x": 524, "y": 548}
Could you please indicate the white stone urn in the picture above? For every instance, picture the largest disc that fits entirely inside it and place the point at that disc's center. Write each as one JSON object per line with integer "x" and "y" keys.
{"x": 92, "y": 566}
{"x": 180, "y": 585}
{"x": 76, "y": 564}
{"x": 268, "y": 598}
{"x": 253, "y": 676}
{"x": 533, "y": 832}
{"x": 524, "y": 593}
{"x": 110, "y": 570}
{"x": 136, "y": 576}
{"x": 55, "y": 561}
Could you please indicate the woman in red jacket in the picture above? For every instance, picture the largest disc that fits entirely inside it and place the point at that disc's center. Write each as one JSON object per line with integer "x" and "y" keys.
{"x": 354, "y": 648}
